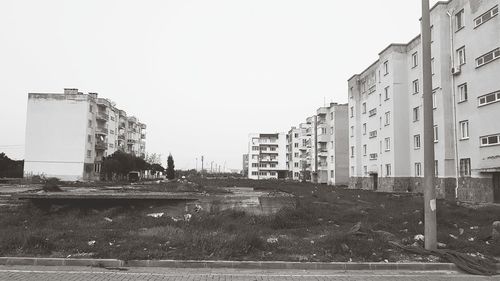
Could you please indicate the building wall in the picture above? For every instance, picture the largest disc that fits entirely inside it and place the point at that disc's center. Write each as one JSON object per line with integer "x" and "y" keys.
{"x": 56, "y": 132}
{"x": 267, "y": 156}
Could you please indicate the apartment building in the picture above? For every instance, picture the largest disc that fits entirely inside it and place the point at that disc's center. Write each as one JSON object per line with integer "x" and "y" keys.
{"x": 267, "y": 156}
{"x": 385, "y": 108}
{"x": 317, "y": 149}
{"x": 69, "y": 134}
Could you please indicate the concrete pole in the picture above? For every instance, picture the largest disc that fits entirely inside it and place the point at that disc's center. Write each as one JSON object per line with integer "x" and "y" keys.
{"x": 429, "y": 189}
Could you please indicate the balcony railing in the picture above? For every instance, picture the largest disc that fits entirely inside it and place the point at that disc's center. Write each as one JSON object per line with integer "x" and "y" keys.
{"x": 101, "y": 131}
{"x": 102, "y": 116}
{"x": 100, "y": 145}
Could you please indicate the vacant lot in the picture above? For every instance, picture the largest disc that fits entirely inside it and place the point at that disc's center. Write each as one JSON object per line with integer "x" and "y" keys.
{"x": 319, "y": 228}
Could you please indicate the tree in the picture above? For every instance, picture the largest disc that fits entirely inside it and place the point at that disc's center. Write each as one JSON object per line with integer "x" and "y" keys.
{"x": 170, "y": 167}
{"x": 10, "y": 168}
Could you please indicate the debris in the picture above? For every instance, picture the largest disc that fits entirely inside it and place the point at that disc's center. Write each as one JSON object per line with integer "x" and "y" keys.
{"x": 108, "y": 219}
{"x": 460, "y": 231}
{"x": 272, "y": 240}
{"x": 453, "y": 236}
{"x": 419, "y": 237}
{"x": 471, "y": 239}
{"x": 384, "y": 235}
{"x": 344, "y": 247}
{"x": 198, "y": 208}
{"x": 156, "y": 215}
{"x": 441, "y": 245}
{"x": 91, "y": 243}
{"x": 187, "y": 217}
{"x": 404, "y": 230}
{"x": 474, "y": 227}
{"x": 420, "y": 223}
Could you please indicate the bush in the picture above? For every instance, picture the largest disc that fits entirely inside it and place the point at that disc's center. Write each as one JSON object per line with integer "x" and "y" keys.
{"x": 51, "y": 185}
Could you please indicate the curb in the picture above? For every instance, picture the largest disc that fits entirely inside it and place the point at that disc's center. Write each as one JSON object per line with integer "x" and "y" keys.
{"x": 227, "y": 264}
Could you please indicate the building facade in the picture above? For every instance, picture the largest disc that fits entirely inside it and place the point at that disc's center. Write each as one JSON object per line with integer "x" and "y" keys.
{"x": 317, "y": 149}
{"x": 385, "y": 108}
{"x": 69, "y": 134}
{"x": 267, "y": 156}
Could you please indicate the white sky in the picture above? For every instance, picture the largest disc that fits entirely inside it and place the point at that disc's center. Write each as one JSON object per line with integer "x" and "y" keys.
{"x": 201, "y": 74}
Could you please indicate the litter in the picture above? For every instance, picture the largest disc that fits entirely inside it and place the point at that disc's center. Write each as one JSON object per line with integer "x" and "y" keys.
{"x": 156, "y": 215}
{"x": 91, "y": 243}
{"x": 108, "y": 219}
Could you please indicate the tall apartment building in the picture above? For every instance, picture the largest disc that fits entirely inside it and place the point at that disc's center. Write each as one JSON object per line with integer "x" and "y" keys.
{"x": 69, "y": 134}
{"x": 267, "y": 156}
{"x": 317, "y": 149}
{"x": 385, "y": 108}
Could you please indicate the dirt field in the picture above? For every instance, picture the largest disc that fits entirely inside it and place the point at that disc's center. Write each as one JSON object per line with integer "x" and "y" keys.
{"x": 319, "y": 228}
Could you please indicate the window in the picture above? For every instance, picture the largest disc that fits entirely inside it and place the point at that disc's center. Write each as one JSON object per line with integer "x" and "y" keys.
{"x": 364, "y": 129}
{"x": 89, "y": 138}
{"x": 462, "y": 92}
{"x": 90, "y": 108}
{"x": 372, "y": 112}
{"x": 386, "y": 67}
{"x": 373, "y": 134}
{"x": 263, "y": 165}
{"x": 373, "y": 156}
{"x": 488, "y": 57}
{"x": 323, "y": 131}
{"x": 296, "y": 145}
{"x": 272, "y": 165}
{"x": 415, "y": 87}
{"x": 432, "y": 33}
{"x": 434, "y": 103}
{"x": 464, "y": 129}
{"x": 332, "y": 159}
{"x": 490, "y": 140}
{"x": 112, "y": 132}
{"x": 351, "y": 94}
{"x": 364, "y": 108}
{"x": 255, "y": 165}
{"x": 364, "y": 149}
{"x": 255, "y": 173}
{"x": 436, "y": 137}
{"x": 110, "y": 145}
{"x": 416, "y": 141}
{"x": 436, "y": 167}
{"x": 465, "y": 167}
{"x": 352, "y": 151}
{"x": 459, "y": 20}
{"x": 418, "y": 169}
{"x": 386, "y": 93}
{"x": 254, "y": 148}
{"x": 296, "y": 135}
{"x": 379, "y": 99}
{"x": 352, "y": 111}
{"x": 416, "y": 114}
{"x": 387, "y": 144}
{"x": 414, "y": 60}
{"x": 352, "y": 131}
{"x": 331, "y": 130}
{"x": 461, "y": 56}
{"x": 486, "y": 16}
{"x": 489, "y": 98}
{"x": 90, "y": 123}
{"x": 388, "y": 171}
{"x": 112, "y": 118}
{"x": 387, "y": 118}
{"x": 432, "y": 66}
{"x": 331, "y": 115}
{"x": 89, "y": 153}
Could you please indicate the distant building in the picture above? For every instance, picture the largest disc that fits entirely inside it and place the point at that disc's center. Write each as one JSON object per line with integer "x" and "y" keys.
{"x": 318, "y": 149}
{"x": 67, "y": 135}
{"x": 267, "y": 156}
{"x": 245, "y": 165}
{"x": 386, "y": 110}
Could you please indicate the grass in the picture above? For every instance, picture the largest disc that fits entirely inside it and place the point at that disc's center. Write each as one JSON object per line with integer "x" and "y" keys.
{"x": 317, "y": 229}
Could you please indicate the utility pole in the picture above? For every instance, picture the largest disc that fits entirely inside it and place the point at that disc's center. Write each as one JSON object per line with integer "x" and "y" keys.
{"x": 202, "y": 158}
{"x": 197, "y": 164}
{"x": 429, "y": 169}
{"x": 211, "y": 167}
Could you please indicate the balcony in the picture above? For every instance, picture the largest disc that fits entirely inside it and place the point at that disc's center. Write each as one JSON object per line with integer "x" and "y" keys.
{"x": 132, "y": 119}
{"x": 101, "y": 131}
{"x": 322, "y": 111}
{"x": 131, "y": 141}
{"x": 143, "y": 126}
{"x": 121, "y": 137}
{"x": 143, "y": 136}
{"x": 121, "y": 125}
{"x": 100, "y": 145}
{"x": 102, "y": 116}
{"x": 268, "y": 160}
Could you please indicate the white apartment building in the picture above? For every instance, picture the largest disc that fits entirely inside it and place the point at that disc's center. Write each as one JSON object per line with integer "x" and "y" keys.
{"x": 317, "y": 149}
{"x": 385, "y": 108}
{"x": 67, "y": 135}
{"x": 267, "y": 156}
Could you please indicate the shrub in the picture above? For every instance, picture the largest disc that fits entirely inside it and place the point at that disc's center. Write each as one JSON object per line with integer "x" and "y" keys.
{"x": 51, "y": 185}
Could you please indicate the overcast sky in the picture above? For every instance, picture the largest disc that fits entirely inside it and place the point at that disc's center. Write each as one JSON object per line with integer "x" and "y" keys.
{"x": 201, "y": 74}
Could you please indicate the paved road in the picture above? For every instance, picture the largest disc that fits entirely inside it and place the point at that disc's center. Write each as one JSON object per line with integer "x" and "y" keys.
{"x": 40, "y": 273}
